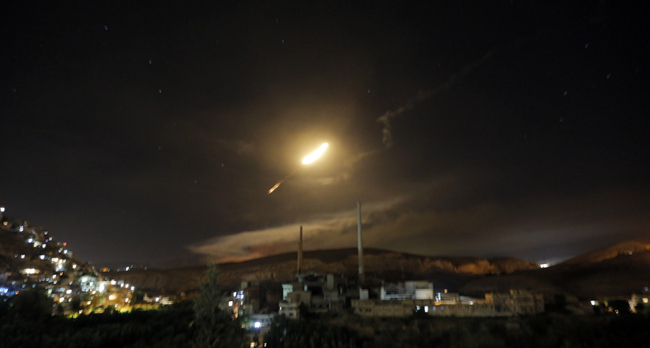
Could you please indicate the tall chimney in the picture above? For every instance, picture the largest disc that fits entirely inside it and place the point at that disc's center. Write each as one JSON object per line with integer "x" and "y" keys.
{"x": 360, "y": 244}
{"x": 300, "y": 252}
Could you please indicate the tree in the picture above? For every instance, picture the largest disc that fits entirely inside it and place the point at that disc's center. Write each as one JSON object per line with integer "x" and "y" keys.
{"x": 214, "y": 327}
{"x": 31, "y": 305}
{"x": 75, "y": 304}
{"x": 639, "y": 308}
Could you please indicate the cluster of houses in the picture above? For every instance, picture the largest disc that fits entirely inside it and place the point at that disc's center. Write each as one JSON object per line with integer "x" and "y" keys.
{"x": 39, "y": 261}
{"x": 259, "y": 302}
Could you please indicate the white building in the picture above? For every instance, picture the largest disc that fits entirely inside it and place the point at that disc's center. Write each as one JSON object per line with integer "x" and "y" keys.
{"x": 409, "y": 290}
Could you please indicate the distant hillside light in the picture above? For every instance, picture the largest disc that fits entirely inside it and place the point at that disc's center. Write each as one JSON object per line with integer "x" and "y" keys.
{"x": 543, "y": 265}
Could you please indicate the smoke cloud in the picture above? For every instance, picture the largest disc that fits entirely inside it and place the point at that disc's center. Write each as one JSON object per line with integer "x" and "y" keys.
{"x": 386, "y": 118}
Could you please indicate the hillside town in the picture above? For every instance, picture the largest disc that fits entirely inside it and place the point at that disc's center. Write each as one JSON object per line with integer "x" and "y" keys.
{"x": 33, "y": 258}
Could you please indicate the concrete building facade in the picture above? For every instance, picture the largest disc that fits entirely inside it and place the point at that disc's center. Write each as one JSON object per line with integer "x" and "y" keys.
{"x": 516, "y": 302}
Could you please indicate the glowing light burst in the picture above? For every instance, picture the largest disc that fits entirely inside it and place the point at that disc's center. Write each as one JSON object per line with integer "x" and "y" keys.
{"x": 315, "y": 155}
{"x": 307, "y": 160}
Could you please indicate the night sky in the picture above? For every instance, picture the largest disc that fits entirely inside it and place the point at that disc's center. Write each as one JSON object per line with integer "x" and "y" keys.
{"x": 150, "y": 131}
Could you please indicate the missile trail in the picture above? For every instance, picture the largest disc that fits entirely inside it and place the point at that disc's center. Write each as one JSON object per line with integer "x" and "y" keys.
{"x": 283, "y": 180}
{"x": 307, "y": 160}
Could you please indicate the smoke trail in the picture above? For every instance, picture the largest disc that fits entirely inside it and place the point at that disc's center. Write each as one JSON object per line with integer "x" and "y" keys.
{"x": 386, "y": 118}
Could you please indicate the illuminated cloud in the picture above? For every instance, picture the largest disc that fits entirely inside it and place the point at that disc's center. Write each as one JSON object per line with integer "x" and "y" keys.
{"x": 327, "y": 231}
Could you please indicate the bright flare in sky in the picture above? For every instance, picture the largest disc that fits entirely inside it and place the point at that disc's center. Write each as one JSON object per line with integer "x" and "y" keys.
{"x": 307, "y": 160}
{"x": 314, "y": 155}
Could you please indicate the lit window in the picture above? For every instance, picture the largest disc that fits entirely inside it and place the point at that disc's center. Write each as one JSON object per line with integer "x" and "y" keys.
{"x": 258, "y": 324}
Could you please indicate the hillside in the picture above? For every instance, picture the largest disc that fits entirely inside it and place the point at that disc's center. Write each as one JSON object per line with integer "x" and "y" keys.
{"x": 593, "y": 275}
{"x": 31, "y": 248}
{"x": 624, "y": 248}
{"x": 379, "y": 263}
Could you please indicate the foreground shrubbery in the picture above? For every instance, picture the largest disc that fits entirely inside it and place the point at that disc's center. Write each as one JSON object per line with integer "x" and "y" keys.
{"x": 26, "y": 326}
{"x": 535, "y": 331}
{"x": 26, "y": 322}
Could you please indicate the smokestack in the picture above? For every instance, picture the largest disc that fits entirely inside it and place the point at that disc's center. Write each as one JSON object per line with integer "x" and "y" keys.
{"x": 300, "y": 253}
{"x": 360, "y": 244}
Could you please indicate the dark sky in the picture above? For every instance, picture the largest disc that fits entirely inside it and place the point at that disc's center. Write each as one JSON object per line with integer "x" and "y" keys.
{"x": 150, "y": 131}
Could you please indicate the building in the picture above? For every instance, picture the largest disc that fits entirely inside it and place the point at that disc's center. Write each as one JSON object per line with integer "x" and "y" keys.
{"x": 409, "y": 290}
{"x": 516, "y": 302}
{"x": 290, "y": 310}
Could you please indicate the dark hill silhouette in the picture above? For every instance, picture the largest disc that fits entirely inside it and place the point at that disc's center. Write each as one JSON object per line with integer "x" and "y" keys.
{"x": 606, "y": 272}
{"x": 609, "y": 252}
{"x": 384, "y": 264}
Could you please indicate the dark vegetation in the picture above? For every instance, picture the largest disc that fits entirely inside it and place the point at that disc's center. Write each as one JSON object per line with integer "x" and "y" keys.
{"x": 422, "y": 331}
{"x": 26, "y": 322}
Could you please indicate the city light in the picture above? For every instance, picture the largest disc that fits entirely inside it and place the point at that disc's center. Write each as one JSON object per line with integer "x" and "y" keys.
{"x": 258, "y": 325}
